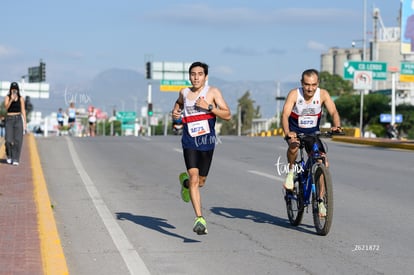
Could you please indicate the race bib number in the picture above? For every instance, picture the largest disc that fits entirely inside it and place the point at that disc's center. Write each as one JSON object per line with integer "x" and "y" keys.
{"x": 198, "y": 128}
{"x": 307, "y": 121}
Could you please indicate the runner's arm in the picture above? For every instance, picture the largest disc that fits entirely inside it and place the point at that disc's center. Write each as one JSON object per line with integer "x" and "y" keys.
{"x": 220, "y": 107}
{"x": 178, "y": 106}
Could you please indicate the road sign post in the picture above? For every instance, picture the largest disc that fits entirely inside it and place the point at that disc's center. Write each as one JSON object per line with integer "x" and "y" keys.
{"x": 378, "y": 70}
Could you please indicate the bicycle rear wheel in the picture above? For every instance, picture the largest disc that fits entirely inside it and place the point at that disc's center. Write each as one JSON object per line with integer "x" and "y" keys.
{"x": 322, "y": 180}
{"x": 294, "y": 203}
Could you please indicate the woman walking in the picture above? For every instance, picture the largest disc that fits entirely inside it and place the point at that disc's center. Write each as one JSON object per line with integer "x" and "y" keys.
{"x": 15, "y": 123}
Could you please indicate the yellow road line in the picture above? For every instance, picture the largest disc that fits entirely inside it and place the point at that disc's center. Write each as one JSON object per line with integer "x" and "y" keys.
{"x": 53, "y": 258}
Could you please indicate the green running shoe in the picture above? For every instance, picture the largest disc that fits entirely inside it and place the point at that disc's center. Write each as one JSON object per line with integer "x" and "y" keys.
{"x": 185, "y": 193}
{"x": 200, "y": 226}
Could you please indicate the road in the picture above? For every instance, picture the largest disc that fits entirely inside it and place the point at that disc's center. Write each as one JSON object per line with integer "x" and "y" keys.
{"x": 118, "y": 209}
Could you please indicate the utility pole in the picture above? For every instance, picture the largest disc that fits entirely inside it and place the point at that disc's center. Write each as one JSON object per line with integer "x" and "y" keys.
{"x": 149, "y": 109}
{"x": 363, "y": 92}
{"x": 239, "y": 114}
{"x": 278, "y": 99}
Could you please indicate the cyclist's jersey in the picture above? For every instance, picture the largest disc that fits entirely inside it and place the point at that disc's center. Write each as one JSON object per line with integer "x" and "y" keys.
{"x": 198, "y": 131}
{"x": 305, "y": 117}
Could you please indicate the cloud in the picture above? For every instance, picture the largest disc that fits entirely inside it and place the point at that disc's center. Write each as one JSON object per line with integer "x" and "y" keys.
{"x": 223, "y": 70}
{"x": 6, "y": 51}
{"x": 205, "y": 15}
{"x": 241, "y": 51}
{"x": 316, "y": 46}
{"x": 275, "y": 51}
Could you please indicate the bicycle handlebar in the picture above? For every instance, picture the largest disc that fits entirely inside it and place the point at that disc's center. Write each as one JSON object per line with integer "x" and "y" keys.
{"x": 319, "y": 134}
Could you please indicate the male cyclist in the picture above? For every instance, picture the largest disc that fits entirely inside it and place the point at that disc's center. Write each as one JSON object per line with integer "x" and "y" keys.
{"x": 302, "y": 113}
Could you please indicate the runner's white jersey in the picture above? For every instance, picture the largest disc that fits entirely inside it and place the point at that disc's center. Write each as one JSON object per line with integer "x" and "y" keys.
{"x": 198, "y": 130}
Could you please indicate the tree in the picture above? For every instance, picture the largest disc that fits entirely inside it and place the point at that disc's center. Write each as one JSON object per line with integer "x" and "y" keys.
{"x": 247, "y": 113}
{"x": 335, "y": 84}
{"x": 3, "y": 111}
{"x": 28, "y": 105}
{"x": 406, "y": 127}
{"x": 349, "y": 108}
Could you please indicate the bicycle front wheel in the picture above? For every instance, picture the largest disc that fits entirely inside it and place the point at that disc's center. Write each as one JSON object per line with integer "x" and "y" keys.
{"x": 294, "y": 203}
{"x": 322, "y": 199}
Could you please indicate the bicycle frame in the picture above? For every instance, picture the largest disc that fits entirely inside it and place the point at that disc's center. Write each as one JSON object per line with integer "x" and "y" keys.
{"x": 306, "y": 167}
{"x": 312, "y": 185}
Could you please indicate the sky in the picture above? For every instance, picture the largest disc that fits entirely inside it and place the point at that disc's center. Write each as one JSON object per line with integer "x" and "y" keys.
{"x": 239, "y": 39}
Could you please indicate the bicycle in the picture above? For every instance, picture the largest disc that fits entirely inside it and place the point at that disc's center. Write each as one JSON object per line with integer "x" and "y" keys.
{"x": 312, "y": 185}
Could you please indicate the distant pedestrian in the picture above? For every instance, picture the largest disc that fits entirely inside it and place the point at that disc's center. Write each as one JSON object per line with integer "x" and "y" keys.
{"x": 392, "y": 131}
{"x": 60, "y": 120}
{"x": 15, "y": 123}
{"x": 92, "y": 121}
{"x": 2, "y": 125}
{"x": 71, "y": 113}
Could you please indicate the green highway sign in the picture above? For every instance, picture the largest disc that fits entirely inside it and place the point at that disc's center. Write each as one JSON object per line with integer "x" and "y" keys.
{"x": 127, "y": 119}
{"x": 175, "y": 82}
{"x": 173, "y": 85}
{"x": 378, "y": 69}
{"x": 407, "y": 72}
{"x": 126, "y": 116}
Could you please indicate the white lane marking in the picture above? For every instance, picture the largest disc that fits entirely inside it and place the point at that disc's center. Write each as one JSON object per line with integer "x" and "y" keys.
{"x": 273, "y": 177}
{"x": 128, "y": 253}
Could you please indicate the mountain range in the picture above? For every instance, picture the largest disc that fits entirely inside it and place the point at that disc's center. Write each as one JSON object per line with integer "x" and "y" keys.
{"x": 127, "y": 90}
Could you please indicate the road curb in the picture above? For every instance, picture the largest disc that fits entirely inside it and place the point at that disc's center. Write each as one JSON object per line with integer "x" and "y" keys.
{"x": 386, "y": 143}
{"x": 53, "y": 258}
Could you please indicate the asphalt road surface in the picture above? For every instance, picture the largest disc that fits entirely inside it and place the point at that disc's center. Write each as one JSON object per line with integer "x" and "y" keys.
{"x": 118, "y": 209}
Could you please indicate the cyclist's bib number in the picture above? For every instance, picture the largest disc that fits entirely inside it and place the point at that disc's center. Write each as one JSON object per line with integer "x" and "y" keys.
{"x": 308, "y": 121}
{"x": 198, "y": 128}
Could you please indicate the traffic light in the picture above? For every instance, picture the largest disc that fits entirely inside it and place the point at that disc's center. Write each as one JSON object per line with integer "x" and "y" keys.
{"x": 150, "y": 112}
{"x": 42, "y": 71}
{"x": 148, "y": 69}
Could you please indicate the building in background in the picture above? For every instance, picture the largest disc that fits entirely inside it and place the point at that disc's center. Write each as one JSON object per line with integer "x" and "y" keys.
{"x": 384, "y": 46}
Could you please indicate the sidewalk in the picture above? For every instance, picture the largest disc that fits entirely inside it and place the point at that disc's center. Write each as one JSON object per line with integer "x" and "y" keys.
{"x": 29, "y": 242}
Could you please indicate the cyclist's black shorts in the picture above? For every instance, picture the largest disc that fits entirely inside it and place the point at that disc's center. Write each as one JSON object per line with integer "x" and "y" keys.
{"x": 309, "y": 141}
{"x": 198, "y": 159}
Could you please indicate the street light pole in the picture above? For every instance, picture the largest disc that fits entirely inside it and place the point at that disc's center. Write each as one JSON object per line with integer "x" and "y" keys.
{"x": 239, "y": 120}
{"x": 278, "y": 99}
{"x": 393, "y": 71}
{"x": 364, "y": 56}
{"x": 149, "y": 102}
